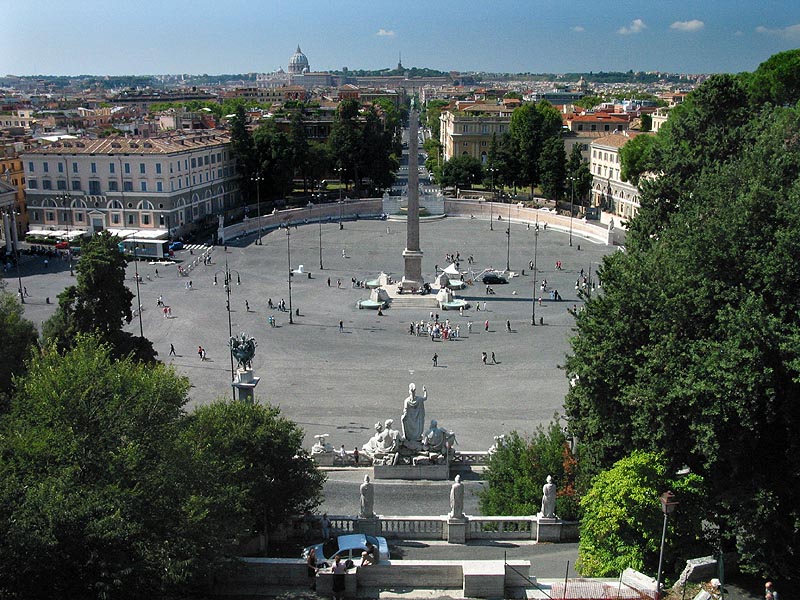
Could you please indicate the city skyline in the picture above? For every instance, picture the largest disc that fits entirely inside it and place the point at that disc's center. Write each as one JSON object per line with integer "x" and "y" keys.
{"x": 149, "y": 38}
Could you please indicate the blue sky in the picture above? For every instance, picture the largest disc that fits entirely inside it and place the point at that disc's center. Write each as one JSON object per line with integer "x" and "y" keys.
{"x": 114, "y": 37}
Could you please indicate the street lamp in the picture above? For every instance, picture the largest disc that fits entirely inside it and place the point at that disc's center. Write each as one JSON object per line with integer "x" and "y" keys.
{"x": 136, "y": 279}
{"x": 12, "y": 216}
{"x": 227, "y": 287}
{"x": 289, "y": 279}
{"x": 66, "y": 200}
{"x": 535, "y": 265}
{"x": 668, "y": 506}
{"x": 258, "y": 180}
{"x": 508, "y": 235}
{"x": 571, "y": 202}
{"x": 319, "y": 221}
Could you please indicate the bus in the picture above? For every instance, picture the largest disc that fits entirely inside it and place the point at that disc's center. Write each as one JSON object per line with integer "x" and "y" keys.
{"x": 146, "y": 249}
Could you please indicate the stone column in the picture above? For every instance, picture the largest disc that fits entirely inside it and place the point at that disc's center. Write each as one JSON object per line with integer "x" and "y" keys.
{"x": 412, "y": 255}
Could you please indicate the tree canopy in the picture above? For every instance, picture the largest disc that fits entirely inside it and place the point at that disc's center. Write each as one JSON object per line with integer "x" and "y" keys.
{"x": 19, "y": 337}
{"x": 693, "y": 348}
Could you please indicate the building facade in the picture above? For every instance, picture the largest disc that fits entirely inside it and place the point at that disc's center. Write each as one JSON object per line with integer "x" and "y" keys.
{"x": 609, "y": 191}
{"x": 172, "y": 183}
{"x": 470, "y": 131}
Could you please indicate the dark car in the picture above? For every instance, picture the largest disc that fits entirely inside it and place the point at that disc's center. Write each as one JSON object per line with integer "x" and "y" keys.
{"x": 493, "y": 279}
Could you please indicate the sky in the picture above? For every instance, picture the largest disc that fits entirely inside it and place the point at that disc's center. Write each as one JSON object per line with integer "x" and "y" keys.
{"x": 147, "y": 37}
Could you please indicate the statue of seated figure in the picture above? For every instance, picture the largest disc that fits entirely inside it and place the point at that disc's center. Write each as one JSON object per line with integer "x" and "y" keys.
{"x": 385, "y": 442}
{"x": 438, "y": 440}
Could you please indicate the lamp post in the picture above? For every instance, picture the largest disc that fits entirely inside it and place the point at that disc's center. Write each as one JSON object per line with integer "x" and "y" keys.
{"x": 66, "y": 200}
{"x": 289, "y": 278}
{"x": 12, "y": 216}
{"x": 668, "y": 506}
{"x": 228, "y": 280}
{"x": 571, "y": 202}
{"x": 136, "y": 279}
{"x": 319, "y": 221}
{"x": 535, "y": 265}
{"x": 508, "y": 235}
{"x": 258, "y": 180}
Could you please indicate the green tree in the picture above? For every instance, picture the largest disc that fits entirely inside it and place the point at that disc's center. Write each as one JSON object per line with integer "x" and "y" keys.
{"x": 461, "y": 171}
{"x": 693, "y": 347}
{"x": 99, "y": 303}
{"x": 298, "y": 141}
{"x": 275, "y": 156}
{"x": 637, "y": 157}
{"x": 622, "y": 518}
{"x": 90, "y": 504}
{"x": 344, "y": 142}
{"x": 552, "y": 168}
{"x": 19, "y": 338}
{"x": 531, "y": 125}
{"x": 777, "y": 80}
{"x": 378, "y": 162}
{"x": 253, "y": 451}
{"x": 243, "y": 151}
{"x": 578, "y": 170}
{"x": 519, "y": 468}
{"x": 433, "y": 110}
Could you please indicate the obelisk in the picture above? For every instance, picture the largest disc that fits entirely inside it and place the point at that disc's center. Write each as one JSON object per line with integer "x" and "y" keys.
{"x": 412, "y": 255}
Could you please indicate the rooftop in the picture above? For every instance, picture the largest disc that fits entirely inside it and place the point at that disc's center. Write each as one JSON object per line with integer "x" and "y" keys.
{"x": 122, "y": 145}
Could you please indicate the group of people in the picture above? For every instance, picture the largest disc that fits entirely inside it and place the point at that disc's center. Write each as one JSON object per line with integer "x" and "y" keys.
{"x": 281, "y": 306}
{"x": 435, "y": 329}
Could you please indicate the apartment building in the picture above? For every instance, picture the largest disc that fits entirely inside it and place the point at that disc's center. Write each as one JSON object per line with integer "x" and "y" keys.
{"x": 169, "y": 183}
{"x": 470, "y": 131}
{"x": 609, "y": 192}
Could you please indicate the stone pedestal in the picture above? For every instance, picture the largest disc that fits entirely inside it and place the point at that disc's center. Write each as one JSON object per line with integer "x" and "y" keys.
{"x": 412, "y": 271}
{"x": 548, "y": 530}
{"x": 245, "y": 385}
{"x": 367, "y": 526}
{"x": 412, "y": 472}
{"x": 457, "y": 530}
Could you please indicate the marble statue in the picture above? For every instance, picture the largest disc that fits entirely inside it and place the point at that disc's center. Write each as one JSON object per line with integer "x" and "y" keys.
{"x": 548, "y": 499}
{"x": 321, "y": 446}
{"x": 384, "y": 444}
{"x": 457, "y": 499}
{"x": 499, "y": 440}
{"x": 243, "y": 348}
{"x": 438, "y": 439}
{"x": 413, "y": 419}
{"x": 367, "y": 499}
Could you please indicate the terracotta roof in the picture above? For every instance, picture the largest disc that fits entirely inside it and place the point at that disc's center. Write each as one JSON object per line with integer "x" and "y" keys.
{"x": 121, "y": 145}
{"x": 615, "y": 140}
{"x": 600, "y": 118}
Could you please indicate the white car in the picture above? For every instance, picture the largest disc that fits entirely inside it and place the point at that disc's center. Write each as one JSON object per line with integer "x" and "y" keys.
{"x": 348, "y": 547}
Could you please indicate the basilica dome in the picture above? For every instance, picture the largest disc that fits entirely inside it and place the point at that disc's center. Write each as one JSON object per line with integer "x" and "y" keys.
{"x": 298, "y": 63}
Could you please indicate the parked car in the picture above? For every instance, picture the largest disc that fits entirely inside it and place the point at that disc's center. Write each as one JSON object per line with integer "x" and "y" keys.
{"x": 62, "y": 245}
{"x": 493, "y": 279}
{"x": 176, "y": 246}
{"x": 348, "y": 547}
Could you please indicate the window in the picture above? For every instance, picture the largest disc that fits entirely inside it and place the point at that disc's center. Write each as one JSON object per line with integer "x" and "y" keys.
{"x": 94, "y": 188}
{"x": 35, "y": 215}
{"x": 30, "y": 167}
{"x": 47, "y": 184}
{"x": 94, "y": 167}
{"x": 219, "y": 156}
{"x": 74, "y": 167}
{"x": 606, "y": 127}
{"x": 76, "y": 185}
{"x": 111, "y": 168}
{"x": 158, "y": 168}
{"x": 594, "y": 127}
{"x": 33, "y": 184}
{"x": 186, "y": 164}
{"x": 145, "y": 219}
{"x": 61, "y": 184}
{"x": 112, "y": 185}
{"x": 60, "y": 167}
{"x": 127, "y": 186}
{"x": 144, "y": 186}
{"x": 50, "y": 216}
{"x": 46, "y": 167}
{"x": 205, "y": 160}
{"x": 131, "y": 220}
{"x": 115, "y": 218}
{"x": 127, "y": 168}
{"x": 194, "y": 162}
{"x": 142, "y": 168}
{"x": 159, "y": 186}
{"x": 79, "y": 217}
{"x": 580, "y": 126}
{"x": 213, "y": 158}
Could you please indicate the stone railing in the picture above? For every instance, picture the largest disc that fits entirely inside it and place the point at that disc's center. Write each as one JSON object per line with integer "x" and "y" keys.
{"x": 462, "y": 460}
{"x": 435, "y": 527}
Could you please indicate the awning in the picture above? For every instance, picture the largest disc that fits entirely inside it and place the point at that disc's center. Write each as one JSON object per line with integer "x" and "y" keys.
{"x": 451, "y": 270}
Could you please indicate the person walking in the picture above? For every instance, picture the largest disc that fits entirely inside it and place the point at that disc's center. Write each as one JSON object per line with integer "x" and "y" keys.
{"x": 508, "y": 326}
{"x": 329, "y": 282}
{"x": 200, "y": 352}
{"x": 246, "y": 306}
{"x": 486, "y": 325}
{"x": 435, "y": 360}
{"x": 494, "y": 360}
{"x": 469, "y": 327}
{"x": 355, "y": 455}
{"x": 341, "y": 326}
{"x": 483, "y": 357}
{"x": 172, "y": 350}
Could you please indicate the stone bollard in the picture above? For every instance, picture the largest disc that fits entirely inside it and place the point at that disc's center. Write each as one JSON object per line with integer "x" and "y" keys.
{"x": 47, "y": 300}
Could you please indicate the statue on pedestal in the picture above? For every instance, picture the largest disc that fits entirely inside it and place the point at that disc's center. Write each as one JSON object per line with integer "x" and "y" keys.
{"x": 367, "y": 499}
{"x": 548, "y": 499}
{"x": 243, "y": 348}
{"x": 384, "y": 445}
{"x": 413, "y": 419}
{"x": 438, "y": 440}
{"x": 457, "y": 499}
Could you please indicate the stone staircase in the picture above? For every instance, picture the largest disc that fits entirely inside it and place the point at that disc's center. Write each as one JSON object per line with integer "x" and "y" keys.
{"x": 427, "y": 302}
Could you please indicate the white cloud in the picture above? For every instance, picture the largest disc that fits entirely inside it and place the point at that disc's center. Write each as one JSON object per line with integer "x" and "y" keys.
{"x": 578, "y": 29}
{"x": 688, "y": 26}
{"x": 636, "y": 26}
{"x": 385, "y": 32}
{"x": 791, "y": 32}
